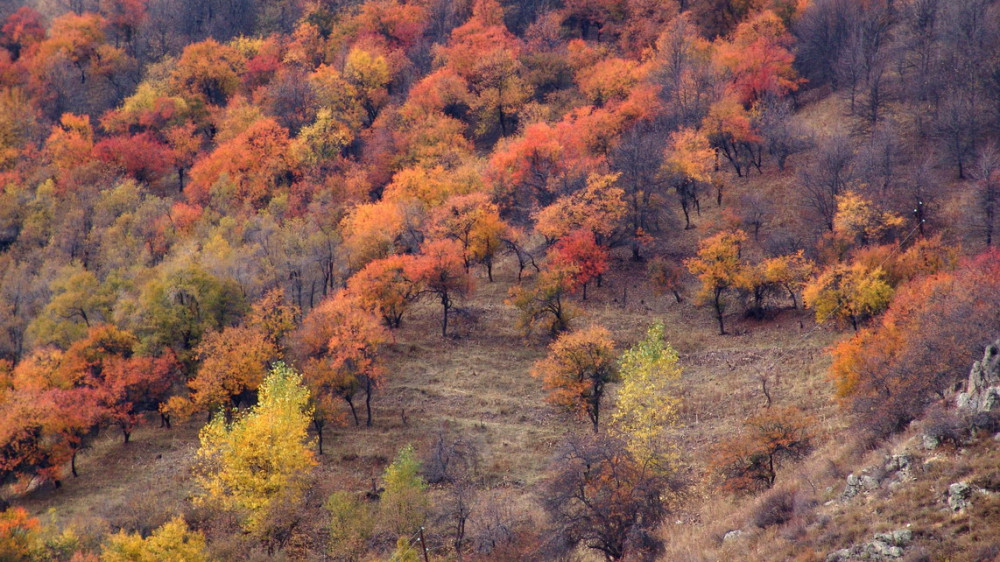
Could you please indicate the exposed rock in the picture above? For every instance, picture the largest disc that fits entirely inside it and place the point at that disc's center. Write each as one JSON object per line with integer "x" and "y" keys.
{"x": 958, "y": 496}
{"x": 895, "y": 469}
{"x": 982, "y": 392}
{"x": 930, "y": 442}
{"x": 732, "y": 535}
{"x": 882, "y": 548}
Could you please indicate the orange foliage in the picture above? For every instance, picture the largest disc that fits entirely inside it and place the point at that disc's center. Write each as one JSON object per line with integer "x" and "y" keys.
{"x": 440, "y": 268}
{"x": 383, "y": 287}
{"x": 256, "y": 162}
{"x": 577, "y": 370}
{"x": 757, "y": 59}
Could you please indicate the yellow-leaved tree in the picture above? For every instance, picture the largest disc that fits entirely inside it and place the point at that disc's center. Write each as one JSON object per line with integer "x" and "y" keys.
{"x": 645, "y": 406}
{"x": 263, "y": 456}
{"x": 172, "y": 541}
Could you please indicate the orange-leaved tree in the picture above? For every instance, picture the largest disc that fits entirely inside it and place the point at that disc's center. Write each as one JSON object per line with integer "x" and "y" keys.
{"x": 441, "y": 271}
{"x": 587, "y": 259}
{"x": 578, "y": 369}
{"x": 340, "y": 346}
{"x": 748, "y": 462}
{"x": 719, "y": 267}
{"x": 234, "y": 361}
{"x": 384, "y": 287}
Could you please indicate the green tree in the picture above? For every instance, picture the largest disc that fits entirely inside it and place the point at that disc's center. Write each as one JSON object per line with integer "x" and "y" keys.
{"x": 262, "y": 456}
{"x": 645, "y": 406}
{"x": 404, "y": 503}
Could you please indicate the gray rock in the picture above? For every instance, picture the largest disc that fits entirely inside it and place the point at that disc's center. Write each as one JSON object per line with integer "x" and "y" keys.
{"x": 930, "y": 442}
{"x": 902, "y": 537}
{"x": 869, "y": 483}
{"x": 958, "y": 496}
{"x": 732, "y": 535}
{"x": 882, "y": 550}
{"x": 982, "y": 391}
{"x": 842, "y": 555}
{"x": 899, "y": 463}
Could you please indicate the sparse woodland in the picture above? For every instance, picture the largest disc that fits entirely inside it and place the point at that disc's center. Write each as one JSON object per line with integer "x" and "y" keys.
{"x": 494, "y": 280}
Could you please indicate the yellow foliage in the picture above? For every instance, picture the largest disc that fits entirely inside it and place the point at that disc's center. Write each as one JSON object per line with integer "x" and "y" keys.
{"x": 246, "y": 465}
{"x": 645, "y": 406}
{"x": 173, "y": 542}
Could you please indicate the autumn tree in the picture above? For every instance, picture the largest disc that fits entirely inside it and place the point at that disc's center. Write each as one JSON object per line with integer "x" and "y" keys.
{"x": 384, "y": 288}
{"x": 599, "y": 207}
{"x": 731, "y": 131}
{"x": 171, "y": 541}
{"x": 19, "y": 535}
{"x": 441, "y": 270}
{"x": 233, "y": 363}
{"x": 580, "y": 253}
{"x": 208, "y": 73}
{"x": 889, "y": 372}
{"x": 848, "y": 292}
{"x": 749, "y": 462}
{"x": 341, "y": 344}
{"x": 474, "y": 221}
{"x": 719, "y": 267}
{"x": 645, "y": 406}
{"x": 600, "y": 497}
{"x": 546, "y": 304}
{"x": 665, "y": 277}
{"x": 757, "y": 60}
{"x": 244, "y": 466}
{"x": 579, "y": 366}
{"x": 689, "y": 161}
{"x": 790, "y": 272}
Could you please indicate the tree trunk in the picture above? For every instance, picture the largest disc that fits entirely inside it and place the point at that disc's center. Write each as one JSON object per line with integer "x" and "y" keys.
{"x": 445, "y": 305}
{"x": 318, "y": 424}
{"x": 72, "y": 464}
{"x": 368, "y": 403}
{"x": 354, "y": 412}
{"x": 718, "y": 311}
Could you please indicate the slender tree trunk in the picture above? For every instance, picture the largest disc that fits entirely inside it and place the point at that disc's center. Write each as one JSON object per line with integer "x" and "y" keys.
{"x": 72, "y": 464}
{"x": 318, "y": 423}
{"x": 718, "y": 311}
{"x": 368, "y": 402}
{"x": 354, "y": 412}
{"x": 445, "y": 305}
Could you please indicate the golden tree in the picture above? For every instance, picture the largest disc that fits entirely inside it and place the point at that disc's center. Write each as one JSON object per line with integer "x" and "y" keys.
{"x": 262, "y": 456}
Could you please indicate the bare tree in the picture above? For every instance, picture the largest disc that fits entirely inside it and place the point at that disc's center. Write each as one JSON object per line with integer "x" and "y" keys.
{"x": 828, "y": 177}
{"x": 600, "y": 497}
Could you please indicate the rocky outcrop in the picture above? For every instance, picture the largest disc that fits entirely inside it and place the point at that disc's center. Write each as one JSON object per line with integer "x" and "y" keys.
{"x": 982, "y": 392}
{"x": 896, "y": 468}
{"x": 959, "y": 495}
{"x": 882, "y": 547}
